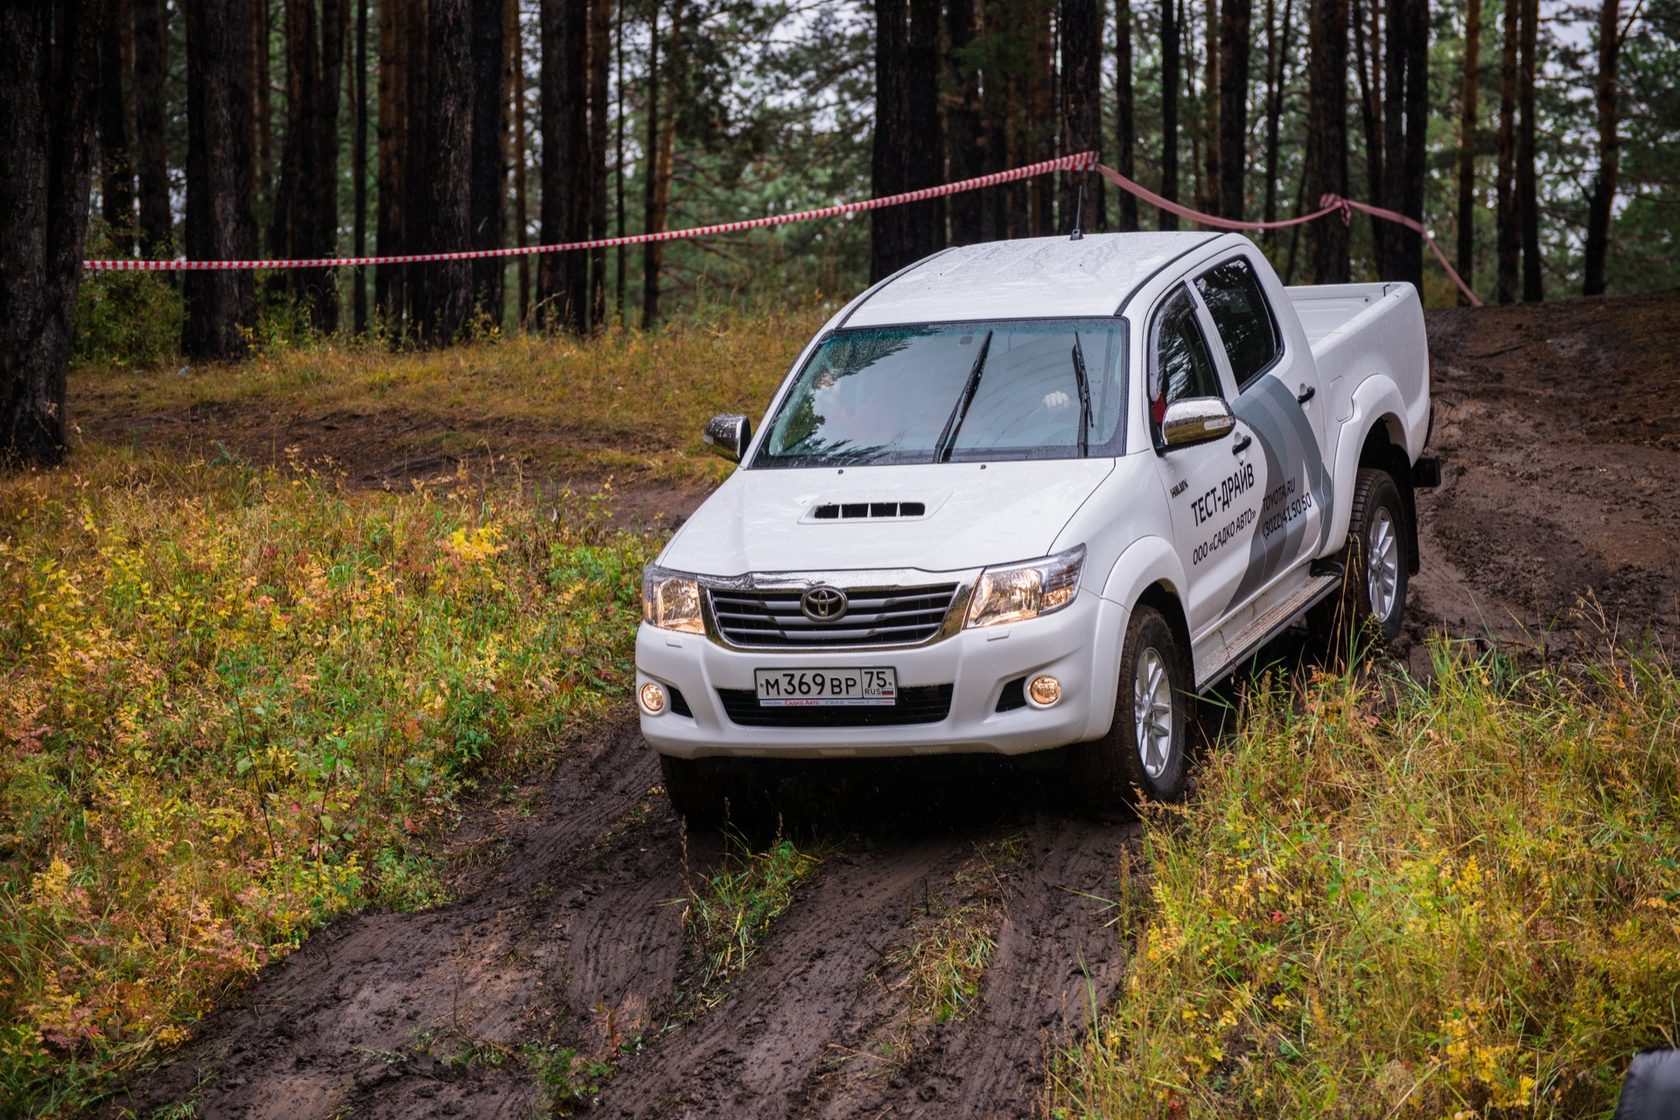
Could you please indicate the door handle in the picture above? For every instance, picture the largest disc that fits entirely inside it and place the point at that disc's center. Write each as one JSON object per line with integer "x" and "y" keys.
{"x": 1241, "y": 445}
{"x": 1305, "y": 395}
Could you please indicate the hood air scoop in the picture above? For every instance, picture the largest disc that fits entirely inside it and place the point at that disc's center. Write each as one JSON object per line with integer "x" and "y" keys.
{"x": 851, "y": 511}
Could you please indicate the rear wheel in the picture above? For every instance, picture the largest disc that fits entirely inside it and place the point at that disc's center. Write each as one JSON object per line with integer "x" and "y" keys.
{"x": 1144, "y": 751}
{"x": 1374, "y": 561}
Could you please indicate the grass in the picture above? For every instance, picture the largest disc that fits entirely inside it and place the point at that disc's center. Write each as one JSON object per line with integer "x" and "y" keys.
{"x": 235, "y": 702}
{"x": 626, "y": 401}
{"x": 1387, "y": 899}
{"x": 727, "y": 915}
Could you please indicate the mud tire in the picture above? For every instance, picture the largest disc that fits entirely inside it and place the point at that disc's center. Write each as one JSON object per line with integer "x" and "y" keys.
{"x": 699, "y": 789}
{"x": 1377, "y": 528}
{"x": 1108, "y": 773}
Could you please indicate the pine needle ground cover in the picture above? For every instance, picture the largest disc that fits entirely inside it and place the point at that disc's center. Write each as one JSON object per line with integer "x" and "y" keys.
{"x": 233, "y": 701}
{"x": 1388, "y": 899}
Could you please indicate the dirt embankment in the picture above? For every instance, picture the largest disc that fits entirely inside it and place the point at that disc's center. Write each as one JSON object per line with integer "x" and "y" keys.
{"x": 1560, "y": 429}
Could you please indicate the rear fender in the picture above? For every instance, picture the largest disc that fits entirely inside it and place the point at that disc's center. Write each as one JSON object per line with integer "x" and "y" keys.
{"x": 1376, "y": 400}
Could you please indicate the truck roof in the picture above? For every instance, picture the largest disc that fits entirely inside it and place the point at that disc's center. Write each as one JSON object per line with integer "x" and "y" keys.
{"x": 1038, "y": 277}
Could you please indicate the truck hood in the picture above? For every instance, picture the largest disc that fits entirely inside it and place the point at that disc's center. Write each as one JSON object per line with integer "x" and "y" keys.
{"x": 973, "y": 514}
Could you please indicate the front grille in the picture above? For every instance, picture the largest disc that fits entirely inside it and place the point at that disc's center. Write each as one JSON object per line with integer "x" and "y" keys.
{"x": 922, "y": 704}
{"x": 889, "y": 616}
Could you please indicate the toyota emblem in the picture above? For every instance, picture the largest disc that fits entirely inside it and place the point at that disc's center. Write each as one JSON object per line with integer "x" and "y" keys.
{"x": 823, "y": 604}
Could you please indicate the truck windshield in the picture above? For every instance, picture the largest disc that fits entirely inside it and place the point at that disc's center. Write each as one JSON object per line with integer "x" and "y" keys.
{"x": 955, "y": 392}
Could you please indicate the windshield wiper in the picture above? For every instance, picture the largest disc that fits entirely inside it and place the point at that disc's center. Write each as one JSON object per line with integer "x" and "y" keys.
{"x": 1084, "y": 397}
{"x": 953, "y": 422}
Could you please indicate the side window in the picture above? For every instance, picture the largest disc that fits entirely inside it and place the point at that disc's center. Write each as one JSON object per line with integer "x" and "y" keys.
{"x": 1181, "y": 366}
{"x": 1232, "y": 293}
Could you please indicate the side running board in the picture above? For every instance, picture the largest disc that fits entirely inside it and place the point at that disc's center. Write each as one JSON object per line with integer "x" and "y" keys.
{"x": 1226, "y": 658}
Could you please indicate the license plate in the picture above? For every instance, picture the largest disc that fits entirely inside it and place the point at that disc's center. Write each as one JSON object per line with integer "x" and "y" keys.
{"x": 821, "y": 688}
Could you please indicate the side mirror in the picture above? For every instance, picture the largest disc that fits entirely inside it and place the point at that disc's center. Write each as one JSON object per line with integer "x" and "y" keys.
{"x": 728, "y": 435}
{"x": 1195, "y": 420}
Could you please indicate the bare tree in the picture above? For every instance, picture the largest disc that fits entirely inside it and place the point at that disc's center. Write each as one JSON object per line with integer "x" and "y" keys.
{"x": 48, "y": 74}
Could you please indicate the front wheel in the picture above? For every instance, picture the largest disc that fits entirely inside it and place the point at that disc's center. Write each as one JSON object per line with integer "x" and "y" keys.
{"x": 698, "y": 788}
{"x": 1144, "y": 751}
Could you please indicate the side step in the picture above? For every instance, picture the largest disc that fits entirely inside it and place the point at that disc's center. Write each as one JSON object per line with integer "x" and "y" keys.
{"x": 1227, "y": 657}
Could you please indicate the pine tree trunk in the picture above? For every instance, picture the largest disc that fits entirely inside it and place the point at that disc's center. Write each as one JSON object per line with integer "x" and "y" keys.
{"x": 1469, "y": 90}
{"x": 965, "y": 140}
{"x": 1327, "y": 135}
{"x": 1210, "y": 131}
{"x": 1387, "y": 235}
{"x": 1604, "y": 183}
{"x": 221, "y": 306}
{"x": 1506, "y": 247}
{"x": 521, "y": 213}
{"x": 1368, "y": 64}
{"x": 116, "y": 164}
{"x": 306, "y": 206}
{"x": 261, "y": 147}
{"x": 651, "y": 176}
{"x": 1528, "y": 203}
{"x": 1125, "y": 110}
{"x": 888, "y": 251}
{"x": 924, "y": 222}
{"x": 151, "y": 151}
{"x": 563, "y": 278}
{"x": 1169, "y": 110}
{"x": 488, "y": 182}
{"x": 622, "y": 279}
{"x": 358, "y": 168}
{"x": 418, "y": 227}
{"x": 49, "y": 65}
{"x": 388, "y": 288}
{"x": 1234, "y": 21}
{"x": 600, "y": 72}
{"x": 1276, "y": 73}
{"x": 1405, "y": 245}
{"x": 1041, "y": 119}
{"x": 1082, "y": 28}
{"x": 446, "y": 286}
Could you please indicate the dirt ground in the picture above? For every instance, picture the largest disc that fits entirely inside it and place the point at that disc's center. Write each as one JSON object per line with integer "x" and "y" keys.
{"x": 1560, "y": 431}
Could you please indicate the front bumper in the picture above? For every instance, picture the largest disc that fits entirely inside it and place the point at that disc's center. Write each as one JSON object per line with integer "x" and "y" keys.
{"x": 1078, "y": 645}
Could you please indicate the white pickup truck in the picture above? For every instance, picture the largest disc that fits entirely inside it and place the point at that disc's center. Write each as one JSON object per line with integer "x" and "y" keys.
{"x": 1036, "y": 493}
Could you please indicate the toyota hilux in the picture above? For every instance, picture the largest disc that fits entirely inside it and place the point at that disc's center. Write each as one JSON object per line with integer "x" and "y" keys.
{"x": 1038, "y": 494}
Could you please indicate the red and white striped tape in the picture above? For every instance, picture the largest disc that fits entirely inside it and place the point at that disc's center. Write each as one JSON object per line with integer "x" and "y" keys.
{"x": 1079, "y": 161}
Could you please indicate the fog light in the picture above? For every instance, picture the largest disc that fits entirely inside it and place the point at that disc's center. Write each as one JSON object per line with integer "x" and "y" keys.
{"x": 653, "y": 698}
{"x": 1044, "y": 691}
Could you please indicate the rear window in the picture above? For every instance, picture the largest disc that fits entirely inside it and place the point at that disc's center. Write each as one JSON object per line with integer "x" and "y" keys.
{"x": 1232, "y": 293}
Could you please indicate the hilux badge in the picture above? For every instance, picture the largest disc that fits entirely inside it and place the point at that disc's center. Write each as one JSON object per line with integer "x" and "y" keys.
{"x": 823, "y": 604}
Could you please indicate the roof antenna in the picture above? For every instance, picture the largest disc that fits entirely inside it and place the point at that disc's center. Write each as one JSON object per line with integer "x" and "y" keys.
{"x": 1078, "y": 211}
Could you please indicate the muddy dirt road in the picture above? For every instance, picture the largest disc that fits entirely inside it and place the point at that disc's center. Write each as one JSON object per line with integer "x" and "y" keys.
{"x": 1560, "y": 427}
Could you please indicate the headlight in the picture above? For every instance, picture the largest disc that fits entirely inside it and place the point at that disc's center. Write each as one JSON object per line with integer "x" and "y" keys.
{"x": 1022, "y": 591}
{"x": 671, "y": 601}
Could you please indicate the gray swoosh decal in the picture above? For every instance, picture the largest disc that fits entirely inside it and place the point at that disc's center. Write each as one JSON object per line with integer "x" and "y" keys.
{"x": 1289, "y": 445}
